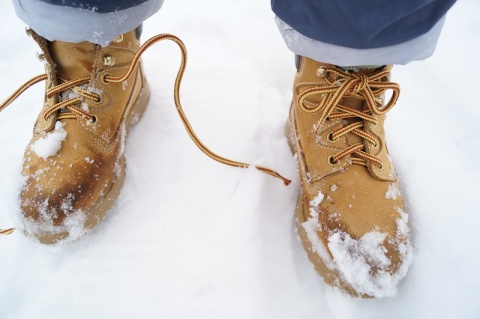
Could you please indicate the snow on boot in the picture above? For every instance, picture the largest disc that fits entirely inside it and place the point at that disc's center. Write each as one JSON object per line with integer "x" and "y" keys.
{"x": 74, "y": 166}
{"x": 350, "y": 214}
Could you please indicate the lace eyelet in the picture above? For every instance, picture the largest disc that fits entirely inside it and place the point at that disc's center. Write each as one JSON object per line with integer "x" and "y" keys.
{"x": 330, "y": 138}
{"x": 321, "y": 72}
{"x": 94, "y": 119}
{"x": 103, "y": 79}
{"x": 375, "y": 145}
{"x": 99, "y": 100}
{"x": 108, "y": 60}
{"x": 118, "y": 38}
{"x": 331, "y": 162}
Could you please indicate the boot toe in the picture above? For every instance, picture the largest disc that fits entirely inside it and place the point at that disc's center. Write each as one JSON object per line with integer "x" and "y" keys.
{"x": 363, "y": 256}
{"x": 61, "y": 203}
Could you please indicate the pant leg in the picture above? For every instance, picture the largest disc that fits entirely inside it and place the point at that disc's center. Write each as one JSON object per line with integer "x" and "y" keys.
{"x": 361, "y": 32}
{"x": 97, "y": 21}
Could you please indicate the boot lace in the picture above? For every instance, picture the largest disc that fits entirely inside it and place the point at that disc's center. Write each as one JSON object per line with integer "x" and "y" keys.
{"x": 341, "y": 84}
{"x": 69, "y": 107}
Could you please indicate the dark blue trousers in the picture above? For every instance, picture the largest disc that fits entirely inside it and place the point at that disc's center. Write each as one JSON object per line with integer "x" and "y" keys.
{"x": 360, "y": 24}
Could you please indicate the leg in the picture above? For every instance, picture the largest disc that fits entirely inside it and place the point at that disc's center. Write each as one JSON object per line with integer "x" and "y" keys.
{"x": 350, "y": 214}
{"x": 95, "y": 21}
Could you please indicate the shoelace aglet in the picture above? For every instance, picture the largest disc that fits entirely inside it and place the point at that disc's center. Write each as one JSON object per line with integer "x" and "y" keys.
{"x": 6, "y": 231}
{"x": 273, "y": 173}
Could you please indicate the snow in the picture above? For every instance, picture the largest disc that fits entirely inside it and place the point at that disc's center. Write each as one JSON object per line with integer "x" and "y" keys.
{"x": 356, "y": 267}
{"x": 364, "y": 262}
{"x": 393, "y": 191}
{"x": 51, "y": 143}
{"x": 73, "y": 224}
{"x": 190, "y": 238}
{"x": 317, "y": 200}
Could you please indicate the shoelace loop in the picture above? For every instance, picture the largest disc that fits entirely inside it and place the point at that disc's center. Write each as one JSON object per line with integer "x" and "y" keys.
{"x": 342, "y": 84}
{"x": 73, "y": 111}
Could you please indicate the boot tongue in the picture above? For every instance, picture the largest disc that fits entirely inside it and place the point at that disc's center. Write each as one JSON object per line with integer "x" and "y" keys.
{"x": 72, "y": 60}
{"x": 358, "y": 105}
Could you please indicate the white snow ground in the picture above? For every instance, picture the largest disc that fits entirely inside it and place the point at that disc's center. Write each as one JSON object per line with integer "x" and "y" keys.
{"x": 190, "y": 238}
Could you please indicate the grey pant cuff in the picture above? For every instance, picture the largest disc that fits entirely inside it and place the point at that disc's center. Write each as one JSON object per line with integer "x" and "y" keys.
{"x": 68, "y": 24}
{"x": 419, "y": 48}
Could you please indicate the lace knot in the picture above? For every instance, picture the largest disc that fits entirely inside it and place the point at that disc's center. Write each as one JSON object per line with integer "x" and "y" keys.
{"x": 361, "y": 82}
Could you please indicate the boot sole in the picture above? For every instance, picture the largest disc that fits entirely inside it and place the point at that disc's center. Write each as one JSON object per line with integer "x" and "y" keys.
{"x": 98, "y": 212}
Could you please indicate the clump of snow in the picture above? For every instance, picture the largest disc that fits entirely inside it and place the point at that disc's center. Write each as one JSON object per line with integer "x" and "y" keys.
{"x": 334, "y": 187}
{"x": 393, "y": 192}
{"x": 51, "y": 143}
{"x": 74, "y": 224}
{"x": 363, "y": 263}
{"x": 314, "y": 205}
{"x": 85, "y": 107}
{"x": 68, "y": 95}
{"x": 71, "y": 229}
{"x": 317, "y": 200}
{"x": 402, "y": 223}
{"x": 89, "y": 160}
{"x": 312, "y": 227}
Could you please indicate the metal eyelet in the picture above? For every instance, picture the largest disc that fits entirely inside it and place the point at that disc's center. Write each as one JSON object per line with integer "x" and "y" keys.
{"x": 94, "y": 119}
{"x": 103, "y": 79}
{"x": 118, "y": 38}
{"x": 331, "y": 162}
{"x": 375, "y": 145}
{"x": 321, "y": 72}
{"x": 330, "y": 138}
{"x": 108, "y": 60}
{"x": 99, "y": 100}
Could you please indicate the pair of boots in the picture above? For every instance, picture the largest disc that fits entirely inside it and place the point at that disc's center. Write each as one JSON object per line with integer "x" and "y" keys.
{"x": 350, "y": 215}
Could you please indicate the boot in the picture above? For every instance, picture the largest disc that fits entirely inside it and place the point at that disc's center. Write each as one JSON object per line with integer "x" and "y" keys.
{"x": 350, "y": 214}
{"x": 74, "y": 166}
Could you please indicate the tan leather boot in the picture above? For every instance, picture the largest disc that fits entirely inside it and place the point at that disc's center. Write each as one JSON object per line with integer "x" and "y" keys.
{"x": 350, "y": 215}
{"x": 74, "y": 165}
